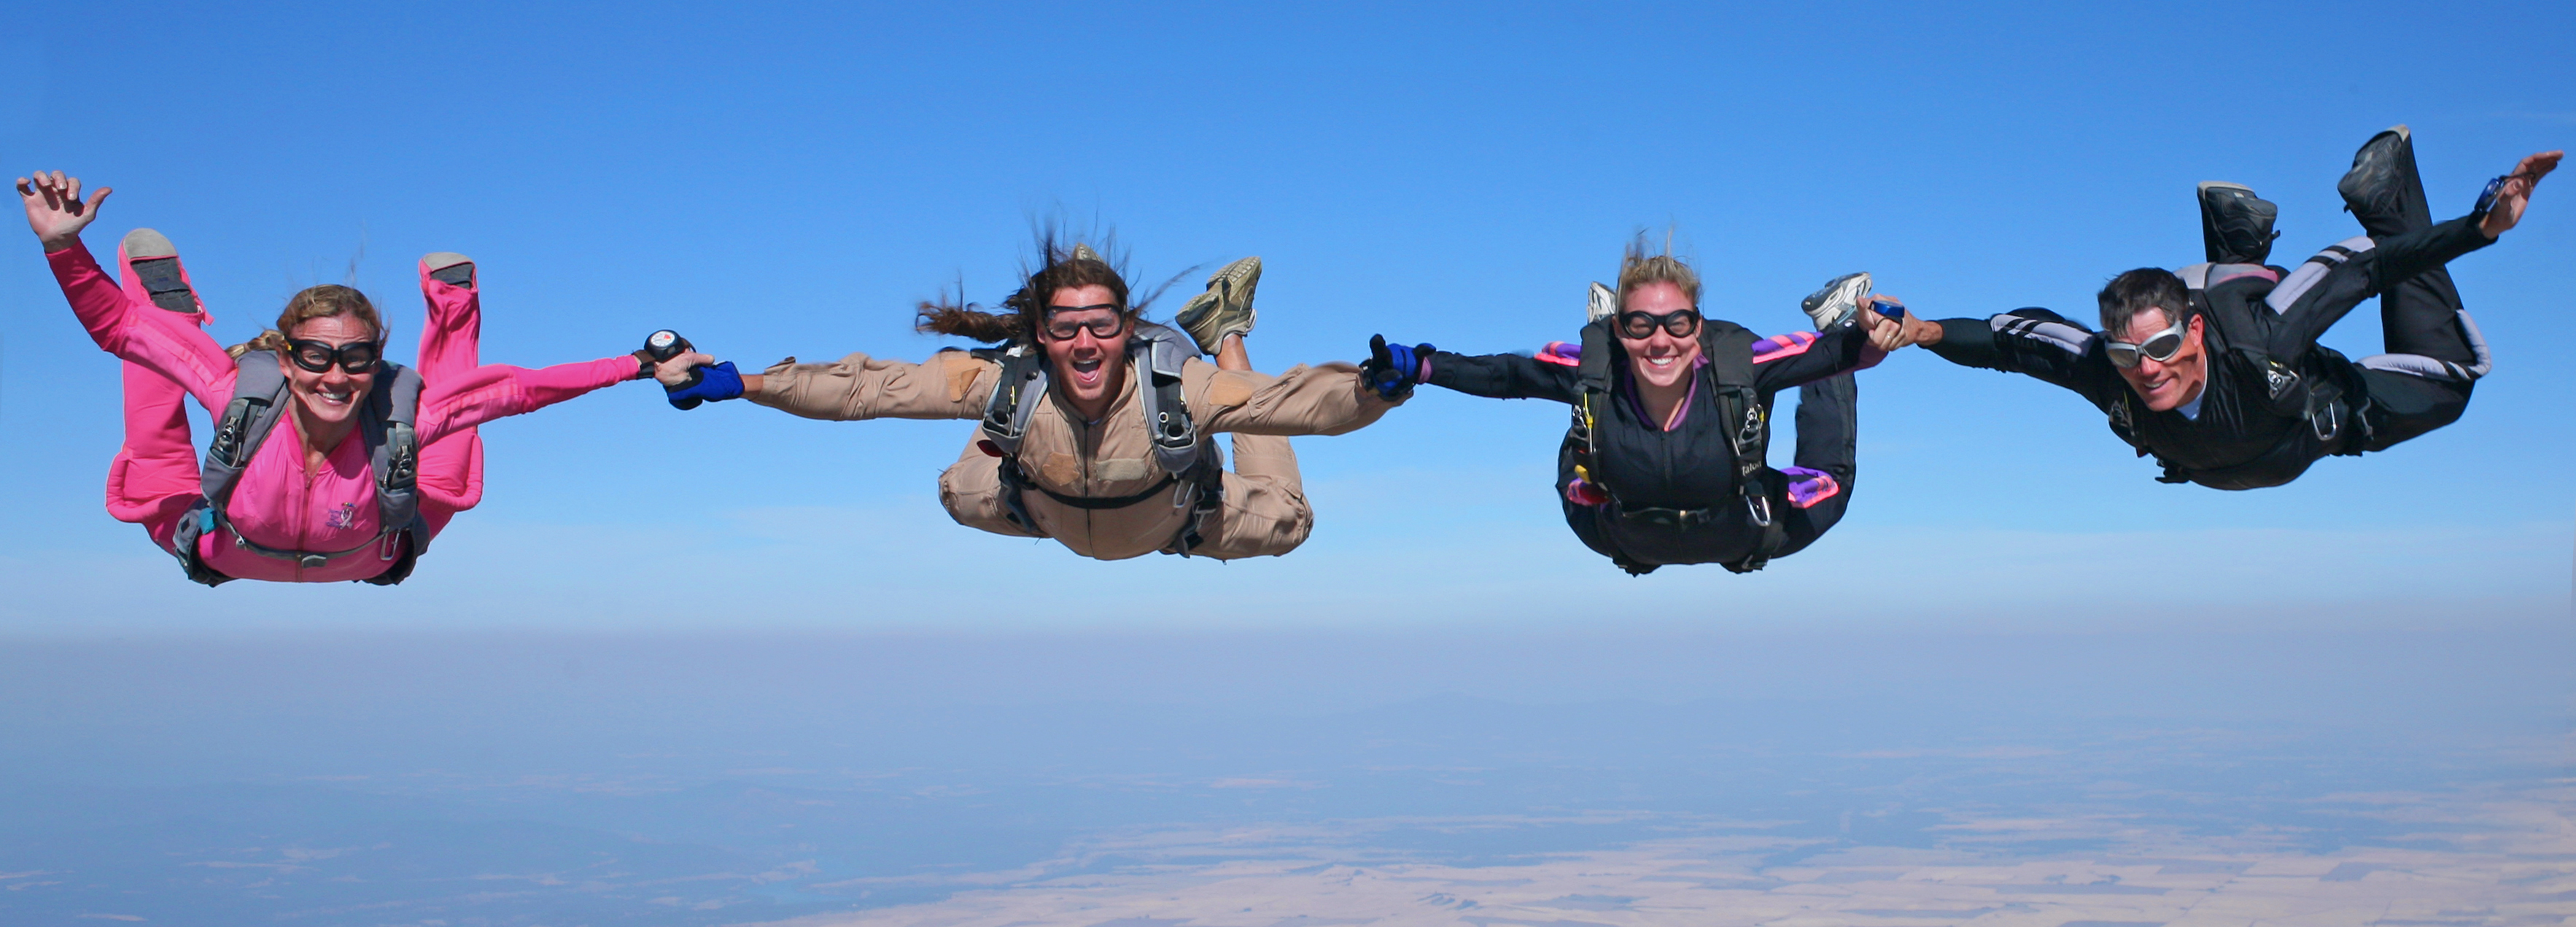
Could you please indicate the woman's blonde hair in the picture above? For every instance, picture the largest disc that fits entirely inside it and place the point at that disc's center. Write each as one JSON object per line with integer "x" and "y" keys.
{"x": 1643, "y": 265}
{"x": 318, "y": 302}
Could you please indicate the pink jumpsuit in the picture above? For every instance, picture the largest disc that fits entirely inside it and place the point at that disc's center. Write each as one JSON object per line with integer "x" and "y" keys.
{"x": 168, "y": 357}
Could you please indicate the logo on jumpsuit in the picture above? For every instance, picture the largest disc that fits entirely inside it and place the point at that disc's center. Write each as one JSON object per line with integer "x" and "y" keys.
{"x": 346, "y": 516}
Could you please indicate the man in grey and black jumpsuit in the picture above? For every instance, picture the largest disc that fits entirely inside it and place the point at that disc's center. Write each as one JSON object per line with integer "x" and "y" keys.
{"x": 2227, "y": 385}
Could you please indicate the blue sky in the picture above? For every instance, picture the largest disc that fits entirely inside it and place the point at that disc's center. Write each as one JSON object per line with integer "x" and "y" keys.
{"x": 789, "y": 181}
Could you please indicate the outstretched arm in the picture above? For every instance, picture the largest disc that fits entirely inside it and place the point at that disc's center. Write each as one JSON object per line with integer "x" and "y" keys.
{"x": 1329, "y": 399}
{"x": 456, "y": 402}
{"x": 1552, "y": 374}
{"x": 950, "y": 385}
{"x": 1795, "y": 359}
{"x": 2033, "y": 342}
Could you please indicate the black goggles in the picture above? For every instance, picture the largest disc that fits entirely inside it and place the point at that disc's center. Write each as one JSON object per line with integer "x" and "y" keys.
{"x": 320, "y": 356}
{"x": 1101, "y": 328}
{"x": 1682, "y": 323}
{"x": 2159, "y": 347}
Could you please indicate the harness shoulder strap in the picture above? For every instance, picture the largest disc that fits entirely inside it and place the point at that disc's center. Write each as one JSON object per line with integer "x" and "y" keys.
{"x": 393, "y": 441}
{"x": 1594, "y": 374}
{"x": 259, "y": 399}
{"x": 1747, "y": 413}
{"x": 394, "y": 453}
{"x": 1015, "y": 395}
{"x": 1158, "y": 355}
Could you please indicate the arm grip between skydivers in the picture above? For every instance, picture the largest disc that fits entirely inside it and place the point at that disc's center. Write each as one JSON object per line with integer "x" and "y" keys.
{"x": 713, "y": 383}
{"x": 1392, "y": 370}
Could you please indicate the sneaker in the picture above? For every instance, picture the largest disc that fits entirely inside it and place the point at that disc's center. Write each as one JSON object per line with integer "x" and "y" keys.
{"x": 1602, "y": 303}
{"x": 2382, "y": 189}
{"x": 1083, "y": 252}
{"x": 1226, "y": 307}
{"x": 1838, "y": 301}
{"x": 449, "y": 267}
{"x": 154, "y": 262}
{"x": 2235, "y": 225}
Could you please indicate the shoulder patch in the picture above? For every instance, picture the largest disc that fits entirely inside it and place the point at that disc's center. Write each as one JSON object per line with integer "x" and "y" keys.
{"x": 1060, "y": 469}
{"x": 961, "y": 371}
{"x": 1228, "y": 389}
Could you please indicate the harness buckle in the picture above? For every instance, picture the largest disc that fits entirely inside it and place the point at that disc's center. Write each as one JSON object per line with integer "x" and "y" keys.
{"x": 313, "y": 561}
{"x": 1760, "y": 506}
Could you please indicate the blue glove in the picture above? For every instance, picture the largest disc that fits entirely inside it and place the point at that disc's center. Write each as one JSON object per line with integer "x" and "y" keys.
{"x": 713, "y": 383}
{"x": 1393, "y": 369}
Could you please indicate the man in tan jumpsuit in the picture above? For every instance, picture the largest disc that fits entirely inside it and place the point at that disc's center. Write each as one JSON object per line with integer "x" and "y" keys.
{"x": 1087, "y": 441}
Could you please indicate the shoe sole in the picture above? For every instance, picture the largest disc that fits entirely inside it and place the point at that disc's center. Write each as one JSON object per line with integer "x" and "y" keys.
{"x": 2405, "y": 143}
{"x": 146, "y": 243}
{"x": 2388, "y": 177}
{"x": 1843, "y": 294}
{"x": 1599, "y": 303}
{"x": 2210, "y": 243}
{"x": 155, "y": 262}
{"x": 1232, "y": 286}
{"x": 448, "y": 267}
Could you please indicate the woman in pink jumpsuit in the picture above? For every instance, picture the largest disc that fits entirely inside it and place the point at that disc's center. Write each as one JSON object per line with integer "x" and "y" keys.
{"x": 310, "y": 486}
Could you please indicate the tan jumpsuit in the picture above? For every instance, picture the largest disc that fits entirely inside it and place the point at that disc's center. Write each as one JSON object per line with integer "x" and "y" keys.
{"x": 1265, "y": 510}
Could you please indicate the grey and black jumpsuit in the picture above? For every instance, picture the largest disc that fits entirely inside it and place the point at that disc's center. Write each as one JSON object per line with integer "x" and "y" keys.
{"x": 2248, "y": 432}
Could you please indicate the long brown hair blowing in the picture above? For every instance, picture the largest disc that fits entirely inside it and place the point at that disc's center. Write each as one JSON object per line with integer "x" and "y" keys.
{"x": 1061, "y": 266}
{"x": 319, "y": 302}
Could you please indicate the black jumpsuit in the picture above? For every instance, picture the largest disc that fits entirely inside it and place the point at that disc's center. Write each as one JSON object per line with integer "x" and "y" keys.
{"x": 1692, "y": 466}
{"x": 2243, "y": 438}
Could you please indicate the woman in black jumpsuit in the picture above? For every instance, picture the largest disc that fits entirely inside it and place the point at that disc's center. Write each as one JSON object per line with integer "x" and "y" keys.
{"x": 1663, "y": 484}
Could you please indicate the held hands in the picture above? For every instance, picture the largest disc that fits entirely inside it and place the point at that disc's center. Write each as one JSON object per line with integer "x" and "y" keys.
{"x": 692, "y": 378}
{"x": 55, "y": 210}
{"x": 1891, "y": 329}
{"x": 2505, "y": 198}
{"x": 1392, "y": 370}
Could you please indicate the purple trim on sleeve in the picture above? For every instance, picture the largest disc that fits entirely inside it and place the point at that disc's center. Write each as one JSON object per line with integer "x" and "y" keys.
{"x": 1779, "y": 346}
{"x": 1562, "y": 354}
{"x": 1808, "y": 487}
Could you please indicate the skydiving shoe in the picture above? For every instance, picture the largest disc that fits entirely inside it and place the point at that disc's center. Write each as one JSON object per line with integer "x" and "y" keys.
{"x": 2382, "y": 189}
{"x": 450, "y": 268}
{"x": 1226, "y": 307}
{"x": 1602, "y": 303}
{"x": 1083, "y": 252}
{"x": 155, "y": 262}
{"x": 2235, "y": 225}
{"x": 1840, "y": 299}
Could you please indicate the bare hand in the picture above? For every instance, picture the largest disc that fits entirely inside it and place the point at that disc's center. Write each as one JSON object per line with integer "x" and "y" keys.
{"x": 55, "y": 211}
{"x": 2516, "y": 194}
{"x": 1885, "y": 333}
{"x": 674, "y": 373}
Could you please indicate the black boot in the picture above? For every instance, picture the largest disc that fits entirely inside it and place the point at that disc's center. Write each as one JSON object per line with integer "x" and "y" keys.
{"x": 2382, "y": 189}
{"x": 2235, "y": 225}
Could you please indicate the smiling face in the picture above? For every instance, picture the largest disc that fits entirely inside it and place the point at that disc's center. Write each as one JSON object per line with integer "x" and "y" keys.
{"x": 1660, "y": 360}
{"x": 2165, "y": 384}
{"x": 1088, "y": 369}
{"x": 333, "y": 396}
